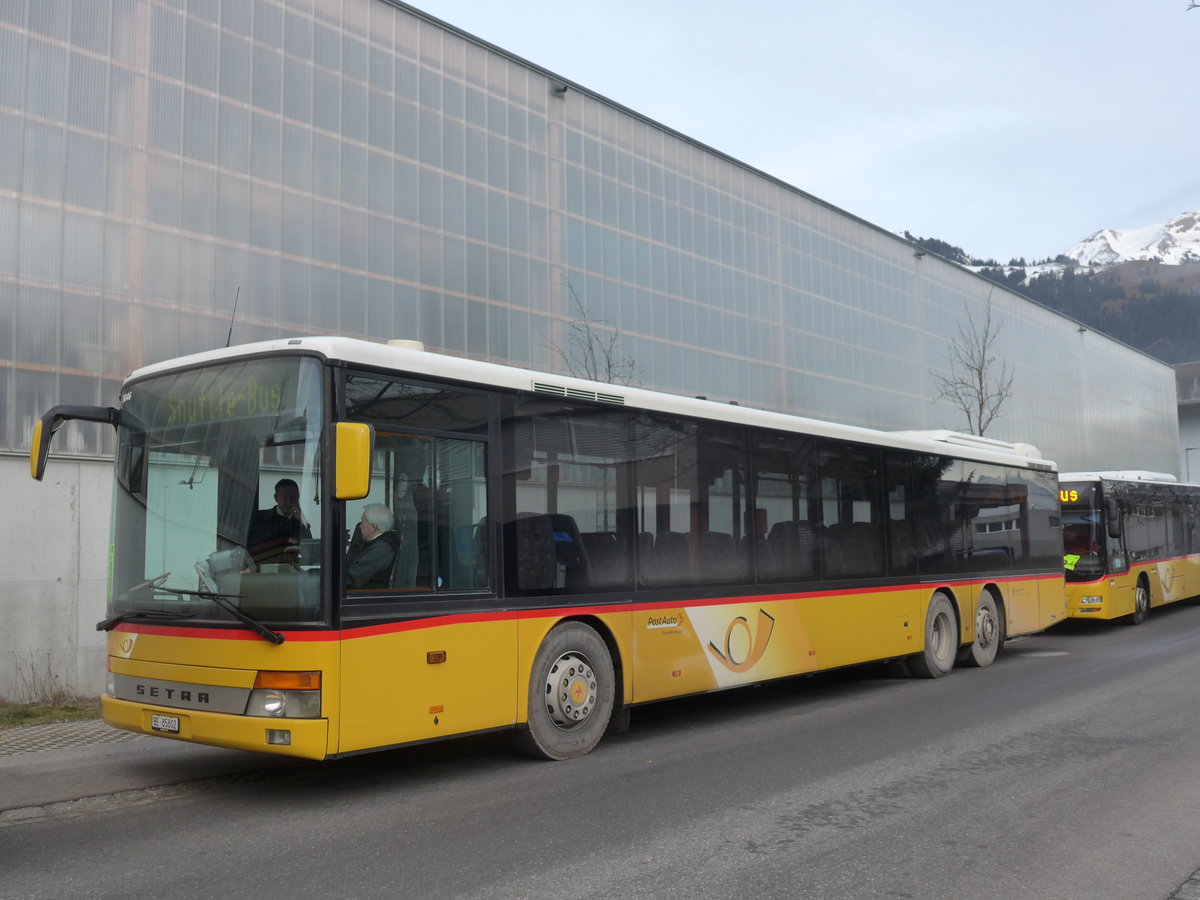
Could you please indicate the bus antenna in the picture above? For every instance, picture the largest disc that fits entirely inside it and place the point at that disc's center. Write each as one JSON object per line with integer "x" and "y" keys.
{"x": 229, "y": 336}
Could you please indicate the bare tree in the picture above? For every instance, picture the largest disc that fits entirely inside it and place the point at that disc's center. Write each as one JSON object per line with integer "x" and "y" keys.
{"x": 592, "y": 351}
{"x": 978, "y": 383}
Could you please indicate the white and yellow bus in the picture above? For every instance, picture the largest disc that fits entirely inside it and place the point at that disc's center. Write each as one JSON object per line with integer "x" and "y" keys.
{"x": 1130, "y": 543}
{"x": 558, "y": 550}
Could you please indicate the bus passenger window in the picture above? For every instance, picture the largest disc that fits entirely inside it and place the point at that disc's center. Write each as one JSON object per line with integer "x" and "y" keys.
{"x": 428, "y": 502}
{"x": 566, "y": 526}
{"x": 460, "y": 516}
{"x": 786, "y": 515}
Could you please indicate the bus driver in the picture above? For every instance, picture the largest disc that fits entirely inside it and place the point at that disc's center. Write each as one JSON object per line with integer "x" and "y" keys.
{"x": 274, "y": 535}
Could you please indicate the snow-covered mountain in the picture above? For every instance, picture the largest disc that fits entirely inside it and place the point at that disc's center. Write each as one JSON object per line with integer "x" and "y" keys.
{"x": 1173, "y": 242}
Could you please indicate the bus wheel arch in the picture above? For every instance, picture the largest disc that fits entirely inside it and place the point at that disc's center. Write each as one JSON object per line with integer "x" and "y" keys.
{"x": 614, "y": 653}
{"x": 572, "y": 691}
{"x": 991, "y": 628}
{"x": 1141, "y": 602}
{"x": 943, "y": 634}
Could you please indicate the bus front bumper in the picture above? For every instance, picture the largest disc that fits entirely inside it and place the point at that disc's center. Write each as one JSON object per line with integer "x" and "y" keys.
{"x": 303, "y": 738}
{"x": 1088, "y": 605}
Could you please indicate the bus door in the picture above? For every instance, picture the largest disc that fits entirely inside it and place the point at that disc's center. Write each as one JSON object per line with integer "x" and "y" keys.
{"x": 1117, "y": 554}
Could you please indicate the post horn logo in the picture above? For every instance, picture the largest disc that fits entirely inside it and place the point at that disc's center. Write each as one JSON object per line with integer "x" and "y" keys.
{"x": 757, "y": 642}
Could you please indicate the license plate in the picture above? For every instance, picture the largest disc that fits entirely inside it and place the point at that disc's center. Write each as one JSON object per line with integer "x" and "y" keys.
{"x": 168, "y": 724}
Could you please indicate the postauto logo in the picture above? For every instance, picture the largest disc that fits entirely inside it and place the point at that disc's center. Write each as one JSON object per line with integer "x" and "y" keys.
{"x": 739, "y": 636}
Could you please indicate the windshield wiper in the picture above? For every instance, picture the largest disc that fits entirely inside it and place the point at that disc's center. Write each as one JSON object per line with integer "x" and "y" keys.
{"x": 223, "y": 601}
{"x": 127, "y": 614}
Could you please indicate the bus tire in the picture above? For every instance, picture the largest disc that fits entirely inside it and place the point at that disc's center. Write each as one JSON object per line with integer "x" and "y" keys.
{"x": 989, "y": 632}
{"x": 941, "y": 640}
{"x": 571, "y": 692}
{"x": 1141, "y": 604}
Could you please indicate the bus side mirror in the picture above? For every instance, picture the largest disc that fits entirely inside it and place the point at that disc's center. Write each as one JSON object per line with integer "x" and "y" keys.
{"x": 1113, "y": 515}
{"x": 352, "y": 460}
{"x": 44, "y": 428}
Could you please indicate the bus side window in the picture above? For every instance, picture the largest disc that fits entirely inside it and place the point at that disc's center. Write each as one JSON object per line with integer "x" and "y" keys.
{"x": 404, "y": 576}
{"x": 786, "y": 514}
{"x": 435, "y": 487}
{"x": 399, "y": 468}
{"x": 460, "y": 507}
{"x": 692, "y": 495}
{"x": 904, "y": 546}
{"x": 567, "y": 524}
{"x": 436, "y": 492}
{"x": 851, "y": 510}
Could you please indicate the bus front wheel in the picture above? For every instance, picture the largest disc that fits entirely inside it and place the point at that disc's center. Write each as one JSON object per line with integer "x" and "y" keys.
{"x": 941, "y": 640}
{"x": 1141, "y": 603}
{"x": 571, "y": 690}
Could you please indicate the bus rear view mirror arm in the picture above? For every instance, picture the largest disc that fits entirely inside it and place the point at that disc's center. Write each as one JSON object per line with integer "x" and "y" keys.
{"x": 44, "y": 428}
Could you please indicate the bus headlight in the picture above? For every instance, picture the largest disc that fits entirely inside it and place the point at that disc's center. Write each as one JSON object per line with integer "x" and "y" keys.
{"x": 285, "y": 704}
{"x": 1090, "y": 599}
{"x": 286, "y": 695}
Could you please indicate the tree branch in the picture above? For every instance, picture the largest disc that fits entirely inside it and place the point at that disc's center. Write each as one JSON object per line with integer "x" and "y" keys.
{"x": 979, "y": 384}
{"x": 589, "y": 353}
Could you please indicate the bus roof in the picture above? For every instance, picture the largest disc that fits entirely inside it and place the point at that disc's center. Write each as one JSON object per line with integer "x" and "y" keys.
{"x": 411, "y": 358}
{"x": 1119, "y": 475}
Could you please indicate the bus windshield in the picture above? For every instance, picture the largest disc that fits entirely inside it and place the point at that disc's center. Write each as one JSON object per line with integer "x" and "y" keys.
{"x": 216, "y": 507}
{"x": 1083, "y": 532}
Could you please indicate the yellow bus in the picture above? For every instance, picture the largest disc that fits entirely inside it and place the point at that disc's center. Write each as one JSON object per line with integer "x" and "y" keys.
{"x": 1130, "y": 543}
{"x": 555, "y": 551}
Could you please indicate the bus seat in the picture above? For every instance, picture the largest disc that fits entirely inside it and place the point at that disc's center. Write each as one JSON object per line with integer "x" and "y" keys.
{"x": 857, "y": 550}
{"x": 609, "y": 557}
{"x": 531, "y": 541}
{"x": 719, "y": 556}
{"x": 791, "y": 550}
{"x": 569, "y": 550}
{"x": 645, "y": 544}
{"x": 671, "y": 560}
{"x": 404, "y": 570}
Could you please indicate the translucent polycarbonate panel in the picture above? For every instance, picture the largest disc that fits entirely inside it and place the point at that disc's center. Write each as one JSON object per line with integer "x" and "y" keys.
{"x": 83, "y": 253}
{"x": 345, "y": 165}
{"x": 7, "y": 405}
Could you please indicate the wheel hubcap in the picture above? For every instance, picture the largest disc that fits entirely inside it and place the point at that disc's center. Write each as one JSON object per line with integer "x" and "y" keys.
{"x": 985, "y": 628}
{"x": 570, "y": 690}
{"x": 941, "y": 637}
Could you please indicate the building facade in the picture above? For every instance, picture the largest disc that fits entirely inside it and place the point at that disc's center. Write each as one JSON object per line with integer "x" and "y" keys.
{"x": 1187, "y": 378}
{"x": 177, "y": 174}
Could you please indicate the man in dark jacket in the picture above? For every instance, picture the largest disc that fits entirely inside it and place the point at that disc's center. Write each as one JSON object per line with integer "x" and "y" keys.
{"x": 372, "y": 550}
{"x": 275, "y": 534}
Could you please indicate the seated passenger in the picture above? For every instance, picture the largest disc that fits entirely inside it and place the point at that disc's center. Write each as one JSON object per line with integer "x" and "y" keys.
{"x": 372, "y": 550}
{"x": 274, "y": 534}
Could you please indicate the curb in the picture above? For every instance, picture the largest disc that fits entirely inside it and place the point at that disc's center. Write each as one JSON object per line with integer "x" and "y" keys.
{"x": 60, "y": 736}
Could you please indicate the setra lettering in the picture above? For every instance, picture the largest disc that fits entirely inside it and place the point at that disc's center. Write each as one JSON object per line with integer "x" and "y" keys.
{"x": 178, "y": 694}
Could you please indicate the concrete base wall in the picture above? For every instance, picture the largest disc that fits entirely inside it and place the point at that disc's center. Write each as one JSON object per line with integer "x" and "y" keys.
{"x": 53, "y": 577}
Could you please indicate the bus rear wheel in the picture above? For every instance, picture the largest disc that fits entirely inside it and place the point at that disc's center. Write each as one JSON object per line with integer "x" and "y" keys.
{"x": 989, "y": 633}
{"x": 941, "y": 640}
{"x": 571, "y": 691}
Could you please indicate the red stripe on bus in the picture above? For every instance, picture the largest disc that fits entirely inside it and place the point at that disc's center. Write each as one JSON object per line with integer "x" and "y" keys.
{"x": 351, "y": 632}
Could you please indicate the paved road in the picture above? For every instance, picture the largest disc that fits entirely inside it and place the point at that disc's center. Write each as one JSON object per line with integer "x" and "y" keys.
{"x": 1070, "y": 769}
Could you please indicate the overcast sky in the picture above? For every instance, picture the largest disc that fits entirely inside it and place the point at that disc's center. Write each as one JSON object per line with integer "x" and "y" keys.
{"x": 1010, "y": 129}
